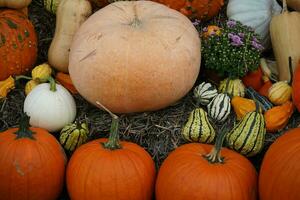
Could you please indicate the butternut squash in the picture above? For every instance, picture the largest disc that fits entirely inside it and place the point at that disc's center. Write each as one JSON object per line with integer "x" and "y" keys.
{"x": 70, "y": 15}
{"x": 16, "y": 4}
{"x": 285, "y": 37}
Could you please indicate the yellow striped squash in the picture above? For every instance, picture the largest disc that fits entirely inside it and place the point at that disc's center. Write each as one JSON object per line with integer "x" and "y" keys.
{"x": 248, "y": 136}
{"x": 233, "y": 87}
{"x": 198, "y": 127}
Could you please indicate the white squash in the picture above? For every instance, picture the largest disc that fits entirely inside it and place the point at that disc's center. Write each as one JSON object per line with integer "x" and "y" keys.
{"x": 50, "y": 109}
{"x": 256, "y": 14}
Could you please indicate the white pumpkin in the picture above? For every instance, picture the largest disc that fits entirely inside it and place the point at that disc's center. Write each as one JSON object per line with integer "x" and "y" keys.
{"x": 48, "y": 109}
{"x": 256, "y": 14}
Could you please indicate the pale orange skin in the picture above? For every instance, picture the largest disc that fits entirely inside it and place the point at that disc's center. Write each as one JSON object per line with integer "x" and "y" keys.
{"x": 186, "y": 174}
{"x": 200, "y": 9}
{"x": 31, "y": 169}
{"x": 18, "y": 44}
{"x": 98, "y": 173}
{"x": 279, "y": 176}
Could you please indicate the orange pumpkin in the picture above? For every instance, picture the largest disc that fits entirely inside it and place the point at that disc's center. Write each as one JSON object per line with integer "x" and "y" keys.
{"x": 279, "y": 176}
{"x": 202, "y": 171}
{"x": 108, "y": 169}
{"x": 18, "y": 43}
{"x": 254, "y": 79}
{"x": 145, "y": 63}
{"x": 200, "y": 9}
{"x": 32, "y": 164}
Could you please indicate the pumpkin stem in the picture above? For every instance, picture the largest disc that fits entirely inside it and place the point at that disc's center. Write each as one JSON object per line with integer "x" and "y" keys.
{"x": 52, "y": 83}
{"x": 136, "y": 21}
{"x": 22, "y": 77}
{"x": 24, "y": 131}
{"x": 215, "y": 155}
{"x": 291, "y": 70}
{"x": 284, "y": 6}
{"x": 113, "y": 142}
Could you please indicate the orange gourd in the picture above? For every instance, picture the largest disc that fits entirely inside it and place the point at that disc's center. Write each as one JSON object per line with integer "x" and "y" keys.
{"x": 200, "y": 9}
{"x": 202, "y": 171}
{"x": 109, "y": 169}
{"x": 254, "y": 79}
{"x": 296, "y": 87}
{"x": 277, "y": 117}
{"x": 6, "y": 86}
{"x": 18, "y": 43}
{"x": 32, "y": 164}
{"x": 242, "y": 106}
{"x": 264, "y": 90}
{"x": 279, "y": 176}
{"x": 65, "y": 80}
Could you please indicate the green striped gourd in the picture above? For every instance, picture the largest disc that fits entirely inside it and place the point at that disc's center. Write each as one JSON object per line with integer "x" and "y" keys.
{"x": 198, "y": 127}
{"x": 233, "y": 87}
{"x": 262, "y": 101}
{"x": 51, "y": 5}
{"x": 219, "y": 108}
{"x": 248, "y": 136}
{"x": 73, "y": 135}
{"x": 204, "y": 93}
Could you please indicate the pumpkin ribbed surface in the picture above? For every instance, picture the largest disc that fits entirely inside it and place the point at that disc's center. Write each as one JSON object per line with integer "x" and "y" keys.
{"x": 18, "y": 43}
{"x": 187, "y": 175}
{"x": 135, "y": 56}
{"x": 97, "y": 173}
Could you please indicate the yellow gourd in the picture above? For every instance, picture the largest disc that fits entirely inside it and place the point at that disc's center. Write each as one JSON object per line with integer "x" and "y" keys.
{"x": 41, "y": 72}
{"x": 242, "y": 106}
{"x": 70, "y": 15}
{"x": 30, "y": 85}
{"x": 6, "y": 86}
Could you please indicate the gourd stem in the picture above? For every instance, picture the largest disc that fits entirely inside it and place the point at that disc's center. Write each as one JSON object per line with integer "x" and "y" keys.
{"x": 284, "y": 6}
{"x": 52, "y": 84}
{"x": 113, "y": 142}
{"x": 215, "y": 155}
{"x": 23, "y": 77}
{"x": 24, "y": 131}
{"x": 291, "y": 70}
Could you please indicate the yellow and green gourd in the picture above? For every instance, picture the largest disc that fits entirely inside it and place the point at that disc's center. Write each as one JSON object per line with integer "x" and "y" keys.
{"x": 73, "y": 135}
{"x": 198, "y": 127}
{"x": 233, "y": 87}
{"x": 247, "y": 137}
{"x": 51, "y": 5}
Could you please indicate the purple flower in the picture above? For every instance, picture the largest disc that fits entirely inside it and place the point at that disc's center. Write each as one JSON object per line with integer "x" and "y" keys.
{"x": 242, "y": 35}
{"x": 235, "y": 40}
{"x": 231, "y": 23}
{"x": 196, "y": 22}
{"x": 205, "y": 29}
{"x": 256, "y": 45}
{"x": 255, "y": 40}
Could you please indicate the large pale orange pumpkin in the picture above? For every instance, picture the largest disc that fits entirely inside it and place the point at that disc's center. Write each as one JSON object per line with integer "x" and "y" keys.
{"x": 201, "y": 9}
{"x": 32, "y": 164}
{"x": 18, "y": 43}
{"x": 279, "y": 176}
{"x": 135, "y": 56}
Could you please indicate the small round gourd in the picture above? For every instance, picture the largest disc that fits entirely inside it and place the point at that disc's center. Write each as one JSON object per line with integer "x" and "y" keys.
{"x": 50, "y": 107}
{"x": 204, "y": 93}
{"x": 219, "y": 108}
{"x": 280, "y": 92}
{"x": 233, "y": 87}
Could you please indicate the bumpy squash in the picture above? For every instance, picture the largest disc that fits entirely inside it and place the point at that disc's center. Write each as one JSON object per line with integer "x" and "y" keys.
{"x": 16, "y": 4}
{"x": 140, "y": 77}
{"x": 233, "y": 87}
{"x": 248, "y": 136}
{"x": 242, "y": 106}
{"x": 285, "y": 36}
{"x": 6, "y": 86}
{"x": 30, "y": 85}
{"x": 200, "y": 9}
{"x": 70, "y": 15}
{"x": 198, "y": 127}
{"x": 277, "y": 117}
{"x": 18, "y": 44}
{"x": 219, "y": 108}
{"x": 41, "y": 72}
{"x": 204, "y": 93}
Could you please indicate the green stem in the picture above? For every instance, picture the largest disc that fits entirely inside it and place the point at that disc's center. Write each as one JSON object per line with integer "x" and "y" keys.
{"x": 24, "y": 131}
{"x": 113, "y": 142}
{"x": 52, "y": 83}
{"x": 23, "y": 77}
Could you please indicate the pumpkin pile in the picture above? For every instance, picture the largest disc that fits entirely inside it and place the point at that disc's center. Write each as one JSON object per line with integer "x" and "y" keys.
{"x": 131, "y": 57}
